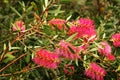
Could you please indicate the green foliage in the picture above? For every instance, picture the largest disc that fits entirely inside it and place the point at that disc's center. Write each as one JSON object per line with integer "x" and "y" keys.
{"x": 17, "y": 49}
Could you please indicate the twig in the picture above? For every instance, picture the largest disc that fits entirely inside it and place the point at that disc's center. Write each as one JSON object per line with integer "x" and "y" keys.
{"x": 18, "y": 72}
{"x": 46, "y": 8}
{"x": 12, "y": 62}
{"x": 12, "y": 42}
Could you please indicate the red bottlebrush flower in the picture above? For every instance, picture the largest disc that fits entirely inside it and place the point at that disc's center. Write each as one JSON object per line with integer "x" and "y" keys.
{"x": 59, "y": 23}
{"x": 47, "y": 59}
{"x": 18, "y": 26}
{"x": 88, "y": 23}
{"x": 85, "y": 33}
{"x": 105, "y": 49}
{"x": 85, "y": 29}
{"x": 69, "y": 69}
{"x": 111, "y": 57}
{"x": 72, "y": 30}
{"x": 68, "y": 51}
{"x": 95, "y": 72}
{"x": 116, "y": 39}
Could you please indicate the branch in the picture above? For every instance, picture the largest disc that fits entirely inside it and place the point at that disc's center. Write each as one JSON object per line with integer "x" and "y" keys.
{"x": 18, "y": 72}
{"x": 12, "y": 62}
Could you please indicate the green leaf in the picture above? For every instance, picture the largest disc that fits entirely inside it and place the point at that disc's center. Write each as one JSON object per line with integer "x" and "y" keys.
{"x": 9, "y": 44}
{"x": 8, "y": 57}
{"x": 81, "y": 2}
{"x": 68, "y": 18}
{"x": 6, "y": 1}
{"x": 46, "y": 3}
{"x": 84, "y": 60}
{"x": 56, "y": 11}
{"x": 27, "y": 59}
{"x": 71, "y": 37}
{"x": 118, "y": 69}
{"x": 91, "y": 37}
{"x": 93, "y": 49}
{"x": 16, "y": 11}
{"x": 22, "y": 5}
{"x": 76, "y": 61}
{"x": 104, "y": 36}
{"x": 95, "y": 55}
{"x": 54, "y": 37}
{"x": 4, "y": 47}
{"x": 15, "y": 48}
{"x": 66, "y": 1}
{"x": 96, "y": 44}
{"x": 47, "y": 29}
{"x": 29, "y": 9}
{"x": 32, "y": 55}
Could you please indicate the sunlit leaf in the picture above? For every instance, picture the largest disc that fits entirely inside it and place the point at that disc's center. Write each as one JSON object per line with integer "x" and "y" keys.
{"x": 4, "y": 47}
{"x": 46, "y": 3}
{"x": 95, "y": 55}
{"x": 71, "y": 37}
{"x": 93, "y": 49}
{"x": 68, "y": 17}
{"x": 76, "y": 62}
{"x": 9, "y": 44}
{"x": 118, "y": 69}
{"x": 15, "y": 48}
{"x": 104, "y": 36}
{"x": 8, "y": 57}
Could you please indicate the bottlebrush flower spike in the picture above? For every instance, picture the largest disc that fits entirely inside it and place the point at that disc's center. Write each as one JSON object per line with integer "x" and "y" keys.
{"x": 59, "y": 23}
{"x": 47, "y": 59}
{"x": 86, "y": 33}
{"x": 116, "y": 39}
{"x": 111, "y": 57}
{"x": 18, "y": 26}
{"x": 68, "y": 51}
{"x": 73, "y": 30}
{"x": 85, "y": 29}
{"x": 88, "y": 23}
{"x": 105, "y": 49}
{"x": 95, "y": 72}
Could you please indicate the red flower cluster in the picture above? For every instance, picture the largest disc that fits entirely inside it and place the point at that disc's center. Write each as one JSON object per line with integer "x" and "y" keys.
{"x": 116, "y": 39}
{"x": 105, "y": 49}
{"x": 47, "y": 59}
{"x": 18, "y": 26}
{"x": 59, "y": 23}
{"x": 95, "y": 72}
{"x": 68, "y": 51}
{"x": 84, "y": 28}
